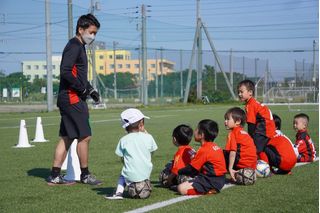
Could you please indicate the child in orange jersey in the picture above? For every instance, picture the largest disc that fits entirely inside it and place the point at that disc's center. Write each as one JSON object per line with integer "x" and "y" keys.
{"x": 208, "y": 167}
{"x": 304, "y": 144}
{"x": 181, "y": 137}
{"x": 260, "y": 122}
{"x": 279, "y": 153}
{"x": 240, "y": 151}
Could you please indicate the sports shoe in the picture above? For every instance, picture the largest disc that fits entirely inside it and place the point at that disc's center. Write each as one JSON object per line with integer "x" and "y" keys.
{"x": 117, "y": 196}
{"x": 59, "y": 180}
{"x": 90, "y": 179}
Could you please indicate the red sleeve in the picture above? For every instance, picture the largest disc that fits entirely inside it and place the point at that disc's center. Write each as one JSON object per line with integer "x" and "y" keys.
{"x": 199, "y": 159}
{"x": 251, "y": 112}
{"x": 231, "y": 142}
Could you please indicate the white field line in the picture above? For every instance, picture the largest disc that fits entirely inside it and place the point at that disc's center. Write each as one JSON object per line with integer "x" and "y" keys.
{"x": 97, "y": 121}
{"x": 183, "y": 198}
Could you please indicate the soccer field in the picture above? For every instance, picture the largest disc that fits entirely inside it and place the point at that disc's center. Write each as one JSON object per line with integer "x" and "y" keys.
{"x": 23, "y": 171}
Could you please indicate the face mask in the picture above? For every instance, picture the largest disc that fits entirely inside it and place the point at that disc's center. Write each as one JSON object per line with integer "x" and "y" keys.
{"x": 88, "y": 38}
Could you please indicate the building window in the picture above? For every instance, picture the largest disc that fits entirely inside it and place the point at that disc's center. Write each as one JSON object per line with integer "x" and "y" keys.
{"x": 110, "y": 56}
{"x": 111, "y": 66}
{"x": 36, "y": 76}
{"x": 136, "y": 66}
{"x": 28, "y": 67}
{"x": 44, "y": 67}
{"x": 44, "y": 76}
{"x": 153, "y": 65}
{"x": 29, "y": 76}
{"x": 53, "y": 67}
{"x": 120, "y": 66}
{"x": 101, "y": 68}
{"x": 101, "y": 57}
{"x": 36, "y": 67}
{"x": 119, "y": 57}
{"x": 128, "y": 66}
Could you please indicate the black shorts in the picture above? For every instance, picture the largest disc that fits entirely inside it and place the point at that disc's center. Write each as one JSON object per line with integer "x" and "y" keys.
{"x": 75, "y": 121}
{"x": 203, "y": 184}
{"x": 260, "y": 141}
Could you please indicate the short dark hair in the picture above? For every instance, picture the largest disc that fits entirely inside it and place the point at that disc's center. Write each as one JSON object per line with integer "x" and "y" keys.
{"x": 183, "y": 134}
{"x": 209, "y": 129}
{"x": 134, "y": 126}
{"x": 237, "y": 114}
{"x": 302, "y": 115}
{"x": 277, "y": 121}
{"x": 85, "y": 21}
{"x": 248, "y": 84}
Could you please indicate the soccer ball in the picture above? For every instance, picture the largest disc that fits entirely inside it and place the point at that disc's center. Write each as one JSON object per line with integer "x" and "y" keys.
{"x": 263, "y": 169}
{"x": 246, "y": 176}
{"x": 140, "y": 190}
{"x": 164, "y": 175}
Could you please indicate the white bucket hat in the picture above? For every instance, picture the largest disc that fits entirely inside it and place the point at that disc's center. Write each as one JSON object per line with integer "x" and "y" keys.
{"x": 130, "y": 116}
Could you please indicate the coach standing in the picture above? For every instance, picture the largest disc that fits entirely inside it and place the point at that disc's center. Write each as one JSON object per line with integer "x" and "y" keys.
{"x": 73, "y": 91}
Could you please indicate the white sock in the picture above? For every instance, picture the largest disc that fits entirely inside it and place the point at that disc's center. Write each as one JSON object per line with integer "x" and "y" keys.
{"x": 121, "y": 185}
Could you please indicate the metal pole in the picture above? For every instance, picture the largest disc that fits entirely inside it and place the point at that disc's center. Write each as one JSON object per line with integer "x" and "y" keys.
{"x": 70, "y": 20}
{"x": 199, "y": 58}
{"x": 255, "y": 70}
{"x": 296, "y": 72}
{"x": 231, "y": 68}
{"x": 114, "y": 71}
{"x": 314, "y": 62}
{"x": 49, "y": 58}
{"x": 181, "y": 76}
{"x": 303, "y": 63}
{"x": 215, "y": 75}
{"x": 243, "y": 67}
{"x": 144, "y": 56}
{"x": 93, "y": 53}
{"x": 161, "y": 72}
{"x": 157, "y": 83}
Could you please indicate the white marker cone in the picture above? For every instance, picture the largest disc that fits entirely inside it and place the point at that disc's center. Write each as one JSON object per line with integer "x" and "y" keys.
{"x": 23, "y": 136}
{"x": 39, "y": 137}
{"x": 73, "y": 165}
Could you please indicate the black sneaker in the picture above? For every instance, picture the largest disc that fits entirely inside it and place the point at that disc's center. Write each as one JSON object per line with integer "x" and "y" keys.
{"x": 90, "y": 179}
{"x": 58, "y": 181}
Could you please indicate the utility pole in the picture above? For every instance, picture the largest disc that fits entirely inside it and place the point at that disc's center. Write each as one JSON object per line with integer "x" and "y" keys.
{"x": 114, "y": 70}
{"x": 144, "y": 55}
{"x": 314, "y": 79}
{"x": 215, "y": 75}
{"x": 70, "y": 20}
{"x": 303, "y": 63}
{"x": 266, "y": 79}
{"x": 199, "y": 58}
{"x": 296, "y": 73}
{"x": 49, "y": 58}
{"x": 255, "y": 70}
{"x": 231, "y": 68}
{"x": 94, "y": 6}
{"x": 243, "y": 67}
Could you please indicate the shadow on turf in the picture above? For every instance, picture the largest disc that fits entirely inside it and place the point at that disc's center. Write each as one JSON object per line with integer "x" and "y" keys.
{"x": 104, "y": 191}
{"x": 39, "y": 172}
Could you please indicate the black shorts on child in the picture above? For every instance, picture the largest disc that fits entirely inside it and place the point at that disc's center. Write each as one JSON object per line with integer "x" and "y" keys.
{"x": 75, "y": 121}
{"x": 203, "y": 184}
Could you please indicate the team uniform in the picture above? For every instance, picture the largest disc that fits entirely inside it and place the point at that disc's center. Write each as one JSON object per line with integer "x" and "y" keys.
{"x": 280, "y": 153}
{"x": 305, "y": 146}
{"x": 240, "y": 142}
{"x": 210, "y": 163}
{"x": 261, "y": 116}
{"x": 73, "y": 82}
{"x": 182, "y": 158}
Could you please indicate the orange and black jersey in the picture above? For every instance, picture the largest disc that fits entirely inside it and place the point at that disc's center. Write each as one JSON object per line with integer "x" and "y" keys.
{"x": 307, "y": 152}
{"x": 182, "y": 158}
{"x": 260, "y": 115}
{"x": 73, "y": 73}
{"x": 285, "y": 157}
{"x": 209, "y": 160}
{"x": 240, "y": 142}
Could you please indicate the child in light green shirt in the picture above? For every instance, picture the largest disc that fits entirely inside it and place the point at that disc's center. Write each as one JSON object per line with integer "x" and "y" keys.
{"x": 135, "y": 149}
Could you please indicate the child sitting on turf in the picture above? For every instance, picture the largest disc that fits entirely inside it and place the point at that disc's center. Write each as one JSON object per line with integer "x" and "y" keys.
{"x": 208, "y": 167}
{"x": 279, "y": 152}
{"x": 304, "y": 144}
{"x": 181, "y": 137}
{"x": 135, "y": 149}
{"x": 260, "y": 122}
{"x": 240, "y": 151}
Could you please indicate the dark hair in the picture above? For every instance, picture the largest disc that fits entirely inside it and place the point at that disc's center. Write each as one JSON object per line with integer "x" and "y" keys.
{"x": 248, "y": 84}
{"x": 85, "y": 21}
{"x": 237, "y": 114}
{"x": 134, "y": 126}
{"x": 302, "y": 115}
{"x": 183, "y": 134}
{"x": 209, "y": 128}
{"x": 277, "y": 121}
